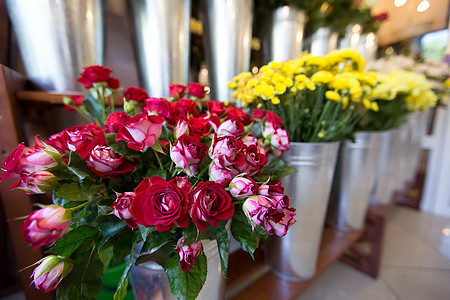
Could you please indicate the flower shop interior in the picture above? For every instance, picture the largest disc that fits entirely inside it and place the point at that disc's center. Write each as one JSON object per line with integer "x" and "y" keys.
{"x": 225, "y": 149}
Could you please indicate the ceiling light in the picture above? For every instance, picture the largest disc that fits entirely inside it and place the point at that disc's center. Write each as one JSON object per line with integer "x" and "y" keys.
{"x": 423, "y": 6}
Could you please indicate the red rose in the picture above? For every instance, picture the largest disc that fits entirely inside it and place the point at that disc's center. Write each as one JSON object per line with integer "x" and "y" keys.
{"x": 216, "y": 108}
{"x": 239, "y": 114}
{"x": 113, "y": 83}
{"x": 122, "y": 206}
{"x": 136, "y": 94}
{"x": 102, "y": 160}
{"x": 188, "y": 253}
{"x": 160, "y": 203}
{"x": 187, "y": 153}
{"x": 77, "y": 101}
{"x": 209, "y": 203}
{"x": 259, "y": 113}
{"x": 115, "y": 121}
{"x": 254, "y": 161}
{"x": 176, "y": 90}
{"x": 140, "y": 131}
{"x": 196, "y": 90}
{"x": 94, "y": 74}
{"x": 184, "y": 107}
{"x": 158, "y": 106}
{"x": 199, "y": 127}
{"x": 182, "y": 182}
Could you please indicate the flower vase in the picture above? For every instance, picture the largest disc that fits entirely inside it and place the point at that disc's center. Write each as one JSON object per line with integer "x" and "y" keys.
{"x": 386, "y": 167}
{"x": 323, "y": 41}
{"x": 294, "y": 256}
{"x": 149, "y": 281}
{"x": 57, "y": 38}
{"x": 161, "y": 37}
{"x": 227, "y": 36}
{"x": 353, "y": 181}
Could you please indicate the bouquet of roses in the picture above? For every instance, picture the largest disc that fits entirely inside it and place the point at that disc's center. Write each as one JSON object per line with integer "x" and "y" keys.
{"x": 164, "y": 173}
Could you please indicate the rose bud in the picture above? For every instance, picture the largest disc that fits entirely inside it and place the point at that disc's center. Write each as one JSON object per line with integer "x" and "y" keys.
{"x": 187, "y": 153}
{"x": 184, "y": 107}
{"x": 39, "y": 182}
{"x": 113, "y": 83}
{"x": 188, "y": 253}
{"x": 196, "y": 90}
{"x": 93, "y": 74}
{"x": 221, "y": 175}
{"x": 135, "y": 93}
{"x": 182, "y": 182}
{"x": 231, "y": 127}
{"x": 209, "y": 203}
{"x": 129, "y": 107}
{"x": 216, "y": 108}
{"x": 176, "y": 90}
{"x": 46, "y": 225}
{"x": 275, "y": 192}
{"x": 122, "y": 206}
{"x": 70, "y": 103}
{"x": 199, "y": 126}
{"x": 158, "y": 106}
{"x": 51, "y": 270}
{"x": 181, "y": 128}
{"x": 140, "y": 131}
{"x": 243, "y": 187}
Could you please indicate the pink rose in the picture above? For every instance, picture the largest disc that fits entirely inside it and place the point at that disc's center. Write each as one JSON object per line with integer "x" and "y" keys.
{"x": 271, "y": 118}
{"x": 188, "y": 253}
{"x": 231, "y": 127}
{"x": 176, "y": 90}
{"x": 187, "y": 153}
{"x": 242, "y": 187}
{"x": 122, "y": 206}
{"x": 158, "y": 106}
{"x": 216, "y": 108}
{"x": 249, "y": 140}
{"x": 221, "y": 175}
{"x": 140, "y": 131}
{"x": 93, "y": 74}
{"x": 196, "y": 90}
{"x": 115, "y": 121}
{"x": 39, "y": 182}
{"x": 209, "y": 203}
{"x": 254, "y": 161}
{"x": 160, "y": 203}
{"x": 46, "y": 225}
{"x": 102, "y": 160}
{"x": 274, "y": 191}
{"x": 226, "y": 151}
{"x": 181, "y": 128}
{"x": 266, "y": 213}
{"x": 279, "y": 140}
{"x": 51, "y": 270}
{"x": 135, "y": 93}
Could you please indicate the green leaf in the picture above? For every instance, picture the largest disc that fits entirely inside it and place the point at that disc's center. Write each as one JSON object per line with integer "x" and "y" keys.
{"x": 242, "y": 231}
{"x": 110, "y": 226}
{"x": 121, "y": 243}
{"x": 79, "y": 168}
{"x": 121, "y": 291}
{"x": 156, "y": 239}
{"x": 223, "y": 246}
{"x": 105, "y": 255}
{"x": 160, "y": 173}
{"x": 73, "y": 191}
{"x": 145, "y": 231}
{"x": 186, "y": 285}
{"x": 84, "y": 280}
{"x": 276, "y": 168}
{"x": 93, "y": 107}
{"x": 160, "y": 256}
{"x": 121, "y": 147}
{"x": 73, "y": 239}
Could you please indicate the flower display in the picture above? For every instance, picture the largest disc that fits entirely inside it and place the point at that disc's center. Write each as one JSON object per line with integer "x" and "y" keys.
{"x": 167, "y": 174}
{"x": 320, "y": 98}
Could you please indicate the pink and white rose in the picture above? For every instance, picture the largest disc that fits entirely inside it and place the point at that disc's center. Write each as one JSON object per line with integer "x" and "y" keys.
{"x": 231, "y": 127}
{"x": 243, "y": 187}
{"x": 187, "y": 153}
{"x": 140, "y": 131}
{"x": 188, "y": 254}
{"x": 51, "y": 270}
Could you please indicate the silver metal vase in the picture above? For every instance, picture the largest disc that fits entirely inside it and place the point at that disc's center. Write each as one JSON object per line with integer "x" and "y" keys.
{"x": 162, "y": 39}
{"x": 149, "y": 281}
{"x": 294, "y": 256}
{"x": 353, "y": 181}
{"x": 227, "y": 37}
{"x": 57, "y": 38}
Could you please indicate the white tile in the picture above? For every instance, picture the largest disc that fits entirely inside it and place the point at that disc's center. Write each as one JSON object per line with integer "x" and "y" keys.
{"x": 341, "y": 282}
{"x": 418, "y": 283}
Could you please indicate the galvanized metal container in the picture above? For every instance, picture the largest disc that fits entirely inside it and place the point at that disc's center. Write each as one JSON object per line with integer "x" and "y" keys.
{"x": 294, "y": 256}
{"x": 227, "y": 37}
{"x": 416, "y": 128}
{"x": 162, "y": 39}
{"x": 353, "y": 181}
{"x": 149, "y": 281}
{"x": 386, "y": 168}
{"x": 323, "y": 41}
{"x": 57, "y": 38}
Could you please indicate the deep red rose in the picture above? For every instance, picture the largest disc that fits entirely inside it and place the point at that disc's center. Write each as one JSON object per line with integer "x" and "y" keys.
{"x": 216, "y": 108}
{"x": 188, "y": 253}
{"x": 199, "y": 127}
{"x": 122, "y": 206}
{"x": 135, "y": 93}
{"x": 210, "y": 203}
{"x": 158, "y": 106}
{"x": 115, "y": 121}
{"x": 184, "y": 107}
{"x": 93, "y": 74}
{"x": 176, "y": 90}
{"x": 239, "y": 114}
{"x": 113, "y": 83}
{"x": 259, "y": 113}
{"x": 196, "y": 90}
{"x": 254, "y": 161}
{"x": 140, "y": 131}
{"x": 102, "y": 160}
{"x": 77, "y": 101}
{"x": 160, "y": 203}
{"x": 182, "y": 182}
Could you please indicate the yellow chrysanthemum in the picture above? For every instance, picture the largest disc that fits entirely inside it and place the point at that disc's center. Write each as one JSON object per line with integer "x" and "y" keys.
{"x": 333, "y": 95}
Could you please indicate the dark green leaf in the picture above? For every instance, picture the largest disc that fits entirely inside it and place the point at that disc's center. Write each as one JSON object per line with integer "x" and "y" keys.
{"x": 79, "y": 168}
{"x": 223, "y": 246}
{"x": 156, "y": 239}
{"x": 121, "y": 291}
{"x": 186, "y": 285}
{"x": 121, "y": 147}
{"x": 105, "y": 255}
{"x": 160, "y": 173}
{"x": 93, "y": 107}
{"x": 121, "y": 243}
{"x": 84, "y": 280}
{"x": 73, "y": 239}
{"x": 73, "y": 191}
{"x": 160, "y": 256}
{"x": 242, "y": 231}
{"x": 110, "y": 225}
{"x": 145, "y": 231}
{"x": 275, "y": 169}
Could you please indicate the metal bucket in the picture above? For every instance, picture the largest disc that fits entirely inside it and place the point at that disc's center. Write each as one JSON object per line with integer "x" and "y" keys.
{"x": 161, "y": 38}
{"x": 227, "y": 37}
{"x": 353, "y": 181}
{"x": 386, "y": 168}
{"x": 294, "y": 256}
{"x": 149, "y": 281}
{"x": 417, "y": 129}
{"x": 403, "y": 137}
{"x": 57, "y": 38}
{"x": 323, "y": 41}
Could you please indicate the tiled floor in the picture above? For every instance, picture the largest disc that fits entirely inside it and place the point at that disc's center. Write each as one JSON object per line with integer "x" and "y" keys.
{"x": 415, "y": 264}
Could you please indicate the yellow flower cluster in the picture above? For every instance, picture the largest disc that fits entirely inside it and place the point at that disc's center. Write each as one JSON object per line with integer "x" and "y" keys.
{"x": 416, "y": 88}
{"x": 341, "y": 72}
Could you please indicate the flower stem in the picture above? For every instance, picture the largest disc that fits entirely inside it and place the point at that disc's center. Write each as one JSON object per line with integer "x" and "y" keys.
{"x": 83, "y": 205}
{"x": 157, "y": 158}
